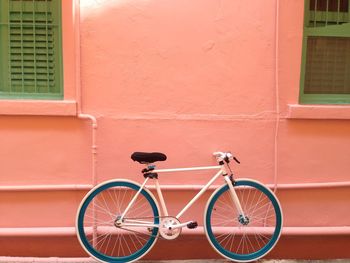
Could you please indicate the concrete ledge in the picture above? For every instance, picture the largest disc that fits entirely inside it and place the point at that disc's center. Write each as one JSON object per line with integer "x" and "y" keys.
{"x": 335, "y": 112}
{"x": 71, "y": 231}
{"x": 38, "y": 107}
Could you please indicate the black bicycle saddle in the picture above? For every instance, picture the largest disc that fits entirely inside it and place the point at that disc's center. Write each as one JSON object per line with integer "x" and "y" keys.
{"x": 143, "y": 157}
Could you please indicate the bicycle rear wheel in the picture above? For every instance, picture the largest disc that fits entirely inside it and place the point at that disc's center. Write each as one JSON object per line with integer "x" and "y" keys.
{"x": 96, "y": 222}
{"x": 243, "y": 239}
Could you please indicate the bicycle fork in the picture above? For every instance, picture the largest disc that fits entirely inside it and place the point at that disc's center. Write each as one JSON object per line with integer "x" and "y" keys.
{"x": 242, "y": 218}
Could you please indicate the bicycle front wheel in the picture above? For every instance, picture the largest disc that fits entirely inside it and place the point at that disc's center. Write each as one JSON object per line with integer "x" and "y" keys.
{"x": 98, "y": 214}
{"x": 243, "y": 238}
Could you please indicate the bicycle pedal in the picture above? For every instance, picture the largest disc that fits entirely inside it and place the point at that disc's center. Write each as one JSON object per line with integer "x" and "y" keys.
{"x": 192, "y": 225}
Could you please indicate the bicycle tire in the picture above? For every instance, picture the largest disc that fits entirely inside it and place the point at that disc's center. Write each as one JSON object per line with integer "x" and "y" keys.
{"x": 106, "y": 204}
{"x": 235, "y": 238}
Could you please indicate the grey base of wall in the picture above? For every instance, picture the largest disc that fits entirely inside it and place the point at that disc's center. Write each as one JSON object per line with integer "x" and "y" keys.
{"x": 62, "y": 249}
{"x": 260, "y": 261}
{"x": 87, "y": 260}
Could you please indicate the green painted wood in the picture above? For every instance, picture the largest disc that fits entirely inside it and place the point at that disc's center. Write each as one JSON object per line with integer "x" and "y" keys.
{"x": 325, "y": 53}
{"x": 31, "y": 48}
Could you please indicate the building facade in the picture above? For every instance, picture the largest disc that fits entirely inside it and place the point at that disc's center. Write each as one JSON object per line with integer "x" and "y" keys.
{"x": 186, "y": 78}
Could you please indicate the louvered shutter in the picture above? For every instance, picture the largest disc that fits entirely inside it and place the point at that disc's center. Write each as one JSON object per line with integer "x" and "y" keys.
{"x": 326, "y": 52}
{"x": 31, "y": 47}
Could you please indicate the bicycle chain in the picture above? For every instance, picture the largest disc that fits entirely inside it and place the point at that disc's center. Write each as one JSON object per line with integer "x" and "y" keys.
{"x": 159, "y": 236}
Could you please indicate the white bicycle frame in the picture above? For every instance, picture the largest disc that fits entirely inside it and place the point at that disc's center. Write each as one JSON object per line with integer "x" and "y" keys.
{"x": 221, "y": 172}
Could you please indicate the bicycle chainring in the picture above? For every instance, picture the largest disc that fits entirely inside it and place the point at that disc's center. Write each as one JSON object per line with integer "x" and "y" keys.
{"x": 166, "y": 229}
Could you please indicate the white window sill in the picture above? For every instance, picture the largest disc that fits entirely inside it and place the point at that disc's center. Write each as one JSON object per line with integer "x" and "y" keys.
{"x": 332, "y": 112}
{"x": 38, "y": 107}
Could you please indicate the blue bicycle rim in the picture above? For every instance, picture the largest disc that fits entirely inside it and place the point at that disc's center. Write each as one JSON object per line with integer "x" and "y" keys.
{"x": 104, "y": 257}
{"x": 268, "y": 246}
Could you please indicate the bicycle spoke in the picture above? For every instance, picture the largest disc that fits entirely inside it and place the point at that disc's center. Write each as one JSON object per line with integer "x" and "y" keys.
{"x": 103, "y": 210}
{"x": 103, "y": 237}
{"x": 106, "y": 206}
{"x": 238, "y": 239}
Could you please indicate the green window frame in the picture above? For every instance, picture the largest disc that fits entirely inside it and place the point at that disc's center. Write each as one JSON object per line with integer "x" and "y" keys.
{"x": 31, "y": 49}
{"x": 325, "y": 68}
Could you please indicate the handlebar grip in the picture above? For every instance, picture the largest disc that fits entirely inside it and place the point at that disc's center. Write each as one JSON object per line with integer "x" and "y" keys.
{"x": 234, "y": 158}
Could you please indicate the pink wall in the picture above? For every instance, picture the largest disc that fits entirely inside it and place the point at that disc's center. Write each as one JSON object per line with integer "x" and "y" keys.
{"x": 186, "y": 78}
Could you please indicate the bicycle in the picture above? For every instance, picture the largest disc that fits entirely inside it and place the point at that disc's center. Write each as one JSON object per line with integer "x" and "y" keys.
{"x": 120, "y": 220}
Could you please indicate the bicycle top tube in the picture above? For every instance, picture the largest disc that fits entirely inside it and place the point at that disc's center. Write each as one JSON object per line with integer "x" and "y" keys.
{"x": 217, "y": 167}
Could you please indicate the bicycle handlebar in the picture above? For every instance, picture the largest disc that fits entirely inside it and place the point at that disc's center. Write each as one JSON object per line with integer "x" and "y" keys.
{"x": 225, "y": 156}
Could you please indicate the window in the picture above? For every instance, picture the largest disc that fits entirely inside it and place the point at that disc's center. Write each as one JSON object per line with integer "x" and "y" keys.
{"x": 30, "y": 49}
{"x": 325, "y": 70}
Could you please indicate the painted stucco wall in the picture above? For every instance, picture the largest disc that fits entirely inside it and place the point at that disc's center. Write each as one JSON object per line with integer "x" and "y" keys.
{"x": 186, "y": 78}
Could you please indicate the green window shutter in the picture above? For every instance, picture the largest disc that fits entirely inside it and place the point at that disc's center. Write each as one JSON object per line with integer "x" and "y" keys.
{"x": 30, "y": 49}
{"x": 325, "y": 66}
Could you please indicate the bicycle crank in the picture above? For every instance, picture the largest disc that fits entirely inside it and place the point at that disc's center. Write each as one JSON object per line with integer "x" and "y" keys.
{"x": 166, "y": 228}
